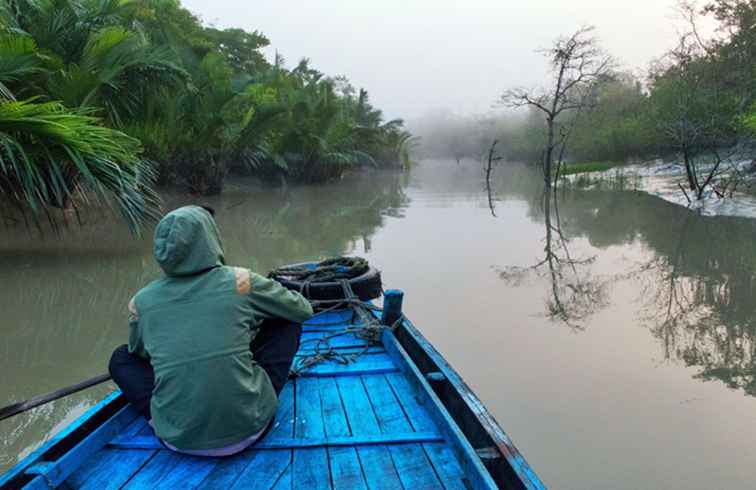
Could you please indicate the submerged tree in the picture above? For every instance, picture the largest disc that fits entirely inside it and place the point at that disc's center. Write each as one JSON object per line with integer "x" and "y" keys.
{"x": 492, "y": 159}
{"x": 692, "y": 112}
{"x": 577, "y": 63}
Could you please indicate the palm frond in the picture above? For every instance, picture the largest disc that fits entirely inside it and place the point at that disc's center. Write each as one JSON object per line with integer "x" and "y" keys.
{"x": 53, "y": 157}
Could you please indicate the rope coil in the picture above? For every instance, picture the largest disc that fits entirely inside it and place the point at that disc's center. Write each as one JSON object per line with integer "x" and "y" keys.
{"x": 368, "y": 328}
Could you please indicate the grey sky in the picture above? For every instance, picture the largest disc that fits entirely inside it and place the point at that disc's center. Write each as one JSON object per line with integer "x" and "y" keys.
{"x": 416, "y": 56}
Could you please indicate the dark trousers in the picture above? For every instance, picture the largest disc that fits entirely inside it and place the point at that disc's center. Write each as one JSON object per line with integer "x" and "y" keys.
{"x": 273, "y": 349}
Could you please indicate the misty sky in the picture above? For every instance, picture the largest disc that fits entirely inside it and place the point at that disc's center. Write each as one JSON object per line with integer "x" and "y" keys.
{"x": 418, "y": 56}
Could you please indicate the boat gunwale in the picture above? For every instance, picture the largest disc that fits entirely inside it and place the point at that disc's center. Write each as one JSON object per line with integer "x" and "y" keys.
{"x": 72, "y": 435}
{"x": 467, "y": 407}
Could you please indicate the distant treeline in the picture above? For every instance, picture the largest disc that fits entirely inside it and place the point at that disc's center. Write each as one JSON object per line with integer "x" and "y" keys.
{"x": 105, "y": 97}
{"x": 699, "y": 97}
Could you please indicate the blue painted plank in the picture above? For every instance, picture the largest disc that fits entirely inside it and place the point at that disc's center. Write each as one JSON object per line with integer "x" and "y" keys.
{"x": 275, "y": 443}
{"x": 105, "y": 457}
{"x": 309, "y": 339}
{"x": 412, "y": 465}
{"x": 440, "y": 455}
{"x": 377, "y": 466}
{"x": 22, "y": 465}
{"x": 342, "y": 316}
{"x": 227, "y": 470}
{"x": 310, "y": 465}
{"x": 347, "y": 351}
{"x": 475, "y": 472}
{"x": 446, "y": 465}
{"x": 283, "y": 425}
{"x": 375, "y": 364}
{"x": 55, "y": 473}
{"x": 285, "y": 481}
{"x": 154, "y": 470}
{"x": 188, "y": 473}
{"x": 264, "y": 468}
{"x": 344, "y": 462}
{"x": 118, "y": 467}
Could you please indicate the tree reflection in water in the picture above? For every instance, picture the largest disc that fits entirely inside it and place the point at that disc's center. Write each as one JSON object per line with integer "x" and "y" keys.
{"x": 699, "y": 303}
{"x": 574, "y": 293}
{"x": 697, "y": 283}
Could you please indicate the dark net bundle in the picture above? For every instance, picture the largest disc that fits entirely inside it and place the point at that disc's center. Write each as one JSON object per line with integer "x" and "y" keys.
{"x": 329, "y": 270}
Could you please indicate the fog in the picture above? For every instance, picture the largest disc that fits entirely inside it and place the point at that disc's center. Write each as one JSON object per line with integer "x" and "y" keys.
{"x": 418, "y": 56}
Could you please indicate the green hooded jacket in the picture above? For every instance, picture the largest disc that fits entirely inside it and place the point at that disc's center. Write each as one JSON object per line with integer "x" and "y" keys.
{"x": 195, "y": 326}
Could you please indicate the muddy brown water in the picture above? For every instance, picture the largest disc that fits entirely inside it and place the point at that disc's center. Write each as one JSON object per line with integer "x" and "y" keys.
{"x": 612, "y": 336}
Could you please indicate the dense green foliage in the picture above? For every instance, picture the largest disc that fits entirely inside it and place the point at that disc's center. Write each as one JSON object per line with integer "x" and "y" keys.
{"x": 102, "y": 96}
{"x": 696, "y": 99}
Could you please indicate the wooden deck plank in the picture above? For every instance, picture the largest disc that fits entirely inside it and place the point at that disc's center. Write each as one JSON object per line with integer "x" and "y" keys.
{"x": 343, "y": 461}
{"x": 377, "y": 466}
{"x": 334, "y": 420}
{"x": 373, "y": 364}
{"x": 188, "y": 473}
{"x": 309, "y": 339}
{"x": 154, "y": 470}
{"x": 310, "y": 468}
{"x": 440, "y": 455}
{"x": 410, "y": 461}
{"x": 227, "y": 470}
{"x": 55, "y": 472}
{"x": 285, "y": 481}
{"x": 278, "y": 443}
{"x": 283, "y": 425}
{"x": 103, "y": 457}
{"x": 264, "y": 469}
{"x": 91, "y": 466}
{"x": 330, "y": 317}
{"x": 476, "y": 473}
{"x": 119, "y": 467}
{"x": 357, "y": 349}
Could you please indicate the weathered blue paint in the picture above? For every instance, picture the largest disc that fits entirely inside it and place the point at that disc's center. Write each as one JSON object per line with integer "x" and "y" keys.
{"x": 276, "y": 443}
{"x": 392, "y": 306}
{"x": 375, "y": 423}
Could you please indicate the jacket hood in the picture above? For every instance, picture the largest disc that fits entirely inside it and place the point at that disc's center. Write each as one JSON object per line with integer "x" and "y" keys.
{"x": 187, "y": 242}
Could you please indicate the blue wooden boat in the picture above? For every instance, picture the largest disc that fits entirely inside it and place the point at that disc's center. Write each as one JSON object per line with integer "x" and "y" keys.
{"x": 398, "y": 416}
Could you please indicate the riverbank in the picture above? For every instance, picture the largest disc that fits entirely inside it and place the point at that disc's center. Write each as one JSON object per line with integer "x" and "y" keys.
{"x": 667, "y": 179}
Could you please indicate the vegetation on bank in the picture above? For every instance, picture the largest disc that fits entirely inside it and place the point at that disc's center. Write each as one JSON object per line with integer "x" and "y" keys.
{"x": 101, "y": 99}
{"x": 694, "y": 102}
{"x": 586, "y": 167}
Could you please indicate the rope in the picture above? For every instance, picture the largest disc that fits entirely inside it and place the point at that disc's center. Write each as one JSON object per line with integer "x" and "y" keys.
{"x": 368, "y": 329}
{"x": 334, "y": 269}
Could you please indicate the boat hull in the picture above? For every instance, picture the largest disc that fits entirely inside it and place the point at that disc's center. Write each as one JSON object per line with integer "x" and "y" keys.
{"x": 398, "y": 416}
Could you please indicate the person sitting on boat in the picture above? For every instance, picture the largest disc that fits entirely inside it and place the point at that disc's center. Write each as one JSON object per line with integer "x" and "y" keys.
{"x": 210, "y": 346}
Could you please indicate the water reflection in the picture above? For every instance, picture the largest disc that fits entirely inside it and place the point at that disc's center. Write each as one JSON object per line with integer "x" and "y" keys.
{"x": 574, "y": 292}
{"x": 63, "y": 296}
{"x": 696, "y": 289}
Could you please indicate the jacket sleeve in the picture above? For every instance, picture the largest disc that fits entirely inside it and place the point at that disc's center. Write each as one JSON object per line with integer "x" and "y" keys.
{"x": 273, "y": 300}
{"x": 136, "y": 343}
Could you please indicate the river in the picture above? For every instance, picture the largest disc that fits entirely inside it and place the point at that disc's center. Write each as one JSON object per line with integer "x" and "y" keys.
{"x": 611, "y": 333}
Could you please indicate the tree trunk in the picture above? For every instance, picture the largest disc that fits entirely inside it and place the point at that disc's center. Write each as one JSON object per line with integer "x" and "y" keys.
{"x": 689, "y": 170}
{"x": 549, "y": 153}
